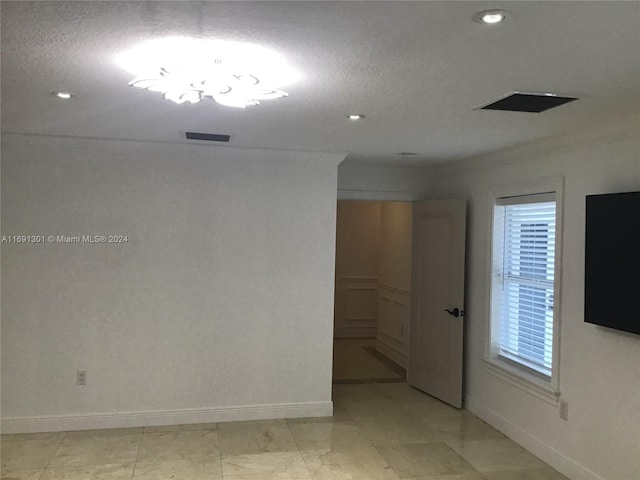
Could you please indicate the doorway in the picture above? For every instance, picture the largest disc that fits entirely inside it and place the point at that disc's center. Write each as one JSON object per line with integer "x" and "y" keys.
{"x": 384, "y": 249}
{"x": 372, "y": 291}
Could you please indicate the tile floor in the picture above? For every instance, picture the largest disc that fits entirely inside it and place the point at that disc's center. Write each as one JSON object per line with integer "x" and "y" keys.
{"x": 380, "y": 431}
{"x": 355, "y": 361}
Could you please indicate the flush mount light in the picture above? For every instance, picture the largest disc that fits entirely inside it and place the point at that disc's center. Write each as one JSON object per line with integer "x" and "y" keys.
{"x": 490, "y": 17}
{"x": 356, "y": 116}
{"x": 63, "y": 95}
{"x": 190, "y": 70}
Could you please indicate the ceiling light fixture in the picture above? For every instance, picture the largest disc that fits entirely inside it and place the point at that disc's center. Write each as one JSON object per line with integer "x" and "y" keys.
{"x": 189, "y": 70}
{"x": 490, "y": 17}
{"x": 408, "y": 154}
{"x": 356, "y": 116}
{"x": 63, "y": 95}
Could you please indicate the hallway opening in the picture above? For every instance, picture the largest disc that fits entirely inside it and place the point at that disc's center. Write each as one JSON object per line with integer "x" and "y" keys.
{"x": 372, "y": 291}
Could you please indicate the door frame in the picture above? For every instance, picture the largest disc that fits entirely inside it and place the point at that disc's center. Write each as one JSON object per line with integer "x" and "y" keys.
{"x": 391, "y": 196}
{"x": 374, "y": 196}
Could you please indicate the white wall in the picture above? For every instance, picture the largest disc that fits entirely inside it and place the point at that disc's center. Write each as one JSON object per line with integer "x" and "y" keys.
{"x": 395, "y": 244}
{"x": 222, "y": 297}
{"x": 599, "y": 367}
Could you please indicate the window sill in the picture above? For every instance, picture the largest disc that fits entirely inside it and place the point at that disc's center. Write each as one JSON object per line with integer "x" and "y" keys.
{"x": 522, "y": 380}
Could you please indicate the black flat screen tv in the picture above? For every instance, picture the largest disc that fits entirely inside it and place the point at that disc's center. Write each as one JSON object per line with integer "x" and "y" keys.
{"x": 612, "y": 261}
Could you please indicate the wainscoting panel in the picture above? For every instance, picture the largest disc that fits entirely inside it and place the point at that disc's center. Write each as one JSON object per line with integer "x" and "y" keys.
{"x": 356, "y": 306}
{"x": 393, "y": 323}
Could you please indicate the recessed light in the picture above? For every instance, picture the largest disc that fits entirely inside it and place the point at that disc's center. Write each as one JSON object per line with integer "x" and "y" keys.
{"x": 63, "y": 95}
{"x": 356, "y": 116}
{"x": 490, "y": 17}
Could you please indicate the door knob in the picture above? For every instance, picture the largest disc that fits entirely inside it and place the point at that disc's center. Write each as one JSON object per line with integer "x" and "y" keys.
{"x": 456, "y": 312}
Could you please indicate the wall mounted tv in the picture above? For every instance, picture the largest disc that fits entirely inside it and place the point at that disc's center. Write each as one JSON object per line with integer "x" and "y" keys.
{"x": 612, "y": 261}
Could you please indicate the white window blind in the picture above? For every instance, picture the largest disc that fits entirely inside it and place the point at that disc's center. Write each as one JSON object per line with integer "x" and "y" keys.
{"x": 524, "y": 251}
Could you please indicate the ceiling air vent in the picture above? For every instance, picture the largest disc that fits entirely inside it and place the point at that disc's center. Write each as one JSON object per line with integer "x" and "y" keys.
{"x": 527, "y": 102}
{"x": 209, "y": 137}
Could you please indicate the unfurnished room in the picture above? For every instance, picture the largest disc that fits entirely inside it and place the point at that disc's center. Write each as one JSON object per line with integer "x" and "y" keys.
{"x": 320, "y": 240}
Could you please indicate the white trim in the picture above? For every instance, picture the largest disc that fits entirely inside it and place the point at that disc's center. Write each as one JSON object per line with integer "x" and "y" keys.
{"x": 194, "y": 149}
{"x": 515, "y": 376}
{"x": 355, "y": 331}
{"x": 565, "y": 465}
{"x": 358, "y": 278}
{"x": 614, "y": 131}
{"x": 375, "y": 195}
{"x": 528, "y": 187}
{"x": 391, "y": 288}
{"x": 522, "y": 380}
{"x": 391, "y": 352}
{"x": 530, "y": 198}
{"x": 58, "y": 423}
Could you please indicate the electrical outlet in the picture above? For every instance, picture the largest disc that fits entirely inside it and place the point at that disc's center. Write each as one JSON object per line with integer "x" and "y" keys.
{"x": 81, "y": 377}
{"x": 564, "y": 410}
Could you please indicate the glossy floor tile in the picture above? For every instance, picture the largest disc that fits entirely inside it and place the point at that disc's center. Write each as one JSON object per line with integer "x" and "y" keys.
{"x": 413, "y": 460}
{"x": 28, "y": 454}
{"x": 98, "y": 447}
{"x": 191, "y": 469}
{"x": 544, "y": 473}
{"x": 31, "y": 474}
{"x": 490, "y": 455}
{"x": 90, "y": 472}
{"x": 334, "y": 435}
{"x": 397, "y": 431}
{"x": 353, "y": 361}
{"x": 178, "y": 445}
{"x": 238, "y": 438}
{"x": 462, "y": 476}
{"x": 181, "y": 428}
{"x": 380, "y": 431}
{"x": 258, "y": 466}
{"x": 349, "y": 463}
{"x": 461, "y": 426}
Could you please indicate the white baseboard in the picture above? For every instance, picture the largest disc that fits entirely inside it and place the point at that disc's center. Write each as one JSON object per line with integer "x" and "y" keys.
{"x": 391, "y": 352}
{"x": 60, "y": 423}
{"x": 378, "y": 195}
{"x": 355, "y": 332}
{"x": 546, "y": 453}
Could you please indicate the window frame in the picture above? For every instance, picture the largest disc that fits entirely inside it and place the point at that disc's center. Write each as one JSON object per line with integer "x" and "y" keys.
{"x": 507, "y": 369}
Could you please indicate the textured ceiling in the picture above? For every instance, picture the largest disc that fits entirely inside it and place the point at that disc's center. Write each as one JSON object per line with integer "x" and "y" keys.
{"x": 415, "y": 69}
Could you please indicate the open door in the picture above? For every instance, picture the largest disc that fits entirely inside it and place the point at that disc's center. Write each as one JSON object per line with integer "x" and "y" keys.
{"x": 437, "y": 299}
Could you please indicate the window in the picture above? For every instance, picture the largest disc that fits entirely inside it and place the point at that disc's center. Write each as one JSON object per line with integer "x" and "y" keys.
{"x": 523, "y": 284}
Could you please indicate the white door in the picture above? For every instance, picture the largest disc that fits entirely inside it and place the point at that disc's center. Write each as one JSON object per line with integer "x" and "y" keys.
{"x": 437, "y": 299}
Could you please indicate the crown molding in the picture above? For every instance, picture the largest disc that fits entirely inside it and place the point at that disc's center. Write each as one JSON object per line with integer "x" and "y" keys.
{"x": 198, "y": 149}
{"x": 627, "y": 127}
